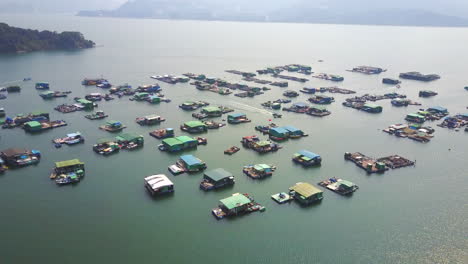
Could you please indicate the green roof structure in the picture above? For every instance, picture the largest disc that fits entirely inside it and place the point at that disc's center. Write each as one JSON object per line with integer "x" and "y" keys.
{"x": 33, "y": 125}
{"x": 129, "y": 137}
{"x": 185, "y": 139}
{"x": 171, "y": 142}
{"x": 235, "y": 201}
{"x": 194, "y": 124}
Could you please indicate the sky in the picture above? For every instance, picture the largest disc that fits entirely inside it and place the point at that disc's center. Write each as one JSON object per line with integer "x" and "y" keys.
{"x": 447, "y": 7}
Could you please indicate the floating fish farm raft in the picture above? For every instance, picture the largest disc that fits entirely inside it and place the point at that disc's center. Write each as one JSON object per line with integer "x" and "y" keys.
{"x": 380, "y": 165}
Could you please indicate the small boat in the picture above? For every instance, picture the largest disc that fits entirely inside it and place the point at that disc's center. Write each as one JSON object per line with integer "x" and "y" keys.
{"x": 97, "y": 115}
{"x": 27, "y": 79}
{"x": 174, "y": 169}
{"x": 231, "y": 150}
{"x": 275, "y": 115}
{"x": 202, "y": 141}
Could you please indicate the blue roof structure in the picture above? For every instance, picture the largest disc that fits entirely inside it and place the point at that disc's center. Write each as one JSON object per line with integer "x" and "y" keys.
{"x": 280, "y": 130}
{"x": 236, "y": 115}
{"x": 308, "y": 154}
{"x": 292, "y": 129}
{"x": 438, "y": 108}
{"x": 190, "y": 160}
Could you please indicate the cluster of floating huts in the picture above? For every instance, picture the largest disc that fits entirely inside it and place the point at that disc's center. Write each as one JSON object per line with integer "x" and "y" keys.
{"x": 72, "y": 171}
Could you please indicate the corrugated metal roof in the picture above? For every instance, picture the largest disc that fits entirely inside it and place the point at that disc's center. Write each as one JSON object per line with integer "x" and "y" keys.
{"x": 279, "y": 130}
{"x": 234, "y": 201}
{"x": 190, "y": 160}
{"x": 158, "y": 181}
{"x": 194, "y": 124}
{"x": 236, "y": 115}
{"x": 292, "y": 129}
{"x": 185, "y": 139}
{"x": 217, "y": 174}
{"x": 172, "y": 142}
{"x": 305, "y": 189}
{"x": 308, "y": 154}
{"x": 128, "y": 136}
{"x": 68, "y": 163}
{"x": 438, "y": 108}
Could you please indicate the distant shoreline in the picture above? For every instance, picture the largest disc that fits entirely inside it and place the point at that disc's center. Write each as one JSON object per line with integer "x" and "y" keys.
{"x": 275, "y": 22}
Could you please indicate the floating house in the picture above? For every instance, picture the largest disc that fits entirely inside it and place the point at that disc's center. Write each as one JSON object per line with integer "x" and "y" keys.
{"x": 69, "y": 171}
{"x": 391, "y": 81}
{"x": 47, "y": 95}
{"x": 32, "y": 126}
{"x": 154, "y": 99}
{"x": 298, "y": 107}
{"x": 237, "y": 118}
{"x": 290, "y": 93}
{"x": 130, "y": 140}
{"x": 400, "y": 102}
{"x": 159, "y": 184}
{"x": 141, "y": 96}
{"x": 191, "y": 163}
{"x": 307, "y": 158}
{"x": 305, "y": 193}
{"x": 321, "y": 99}
{"x": 340, "y": 186}
{"x": 318, "y": 111}
{"x": 194, "y": 127}
{"x": 87, "y": 105}
{"x": 438, "y": 110}
{"x": 212, "y": 111}
{"x": 235, "y": 205}
{"x": 97, "y": 115}
{"x": 427, "y": 93}
{"x": 178, "y": 144}
{"x": 15, "y": 157}
{"x": 294, "y": 132}
{"x": 113, "y": 126}
{"x": 216, "y": 178}
{"x": 149, "y": 120}
{"x": 372, "y": 108}
{"x": 282, "y": 133}
{"x": 151, "y": 88}
{"x": 278, "y": 133}
{"x": 259, "y": 171}
{"x": 42, "y": 86}
{"x": 106, "y": 146}
{"x": 416, "y": 118}
{"x": 253, "y": 142}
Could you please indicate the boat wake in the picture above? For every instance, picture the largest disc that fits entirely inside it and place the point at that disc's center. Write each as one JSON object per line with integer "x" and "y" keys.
{"x": 251, "y": 108}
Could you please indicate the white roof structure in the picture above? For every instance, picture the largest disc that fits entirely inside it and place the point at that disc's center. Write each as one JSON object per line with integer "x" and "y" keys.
{"x": 158, "y": 181}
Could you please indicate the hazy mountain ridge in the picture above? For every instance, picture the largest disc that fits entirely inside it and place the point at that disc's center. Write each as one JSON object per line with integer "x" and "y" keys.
{"x": 299, "y": 11}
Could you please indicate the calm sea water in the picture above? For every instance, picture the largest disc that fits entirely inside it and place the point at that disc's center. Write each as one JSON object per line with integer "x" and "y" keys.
{"x": 409, "y": 215}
